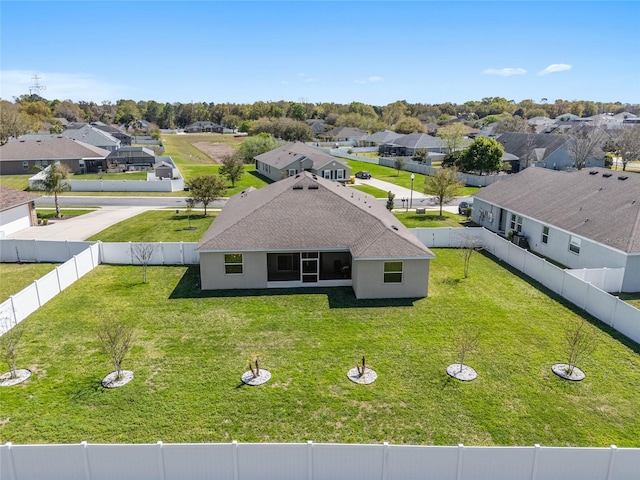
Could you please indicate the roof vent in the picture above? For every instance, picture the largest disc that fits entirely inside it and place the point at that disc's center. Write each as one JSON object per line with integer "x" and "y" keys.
{"x": 298, "y": 176}
{"x": 314, "y": 177}
{"x": 622, "y": 177}
{"x": 586, "y": 220}
{"x": 394, "y": 227}
{"x": 606, "y": 175}
{"x": 593, "y": 172}
{"x": 298, "y": 187}
{"x": 313, "y": 187}
{"x": 599, "y": 188}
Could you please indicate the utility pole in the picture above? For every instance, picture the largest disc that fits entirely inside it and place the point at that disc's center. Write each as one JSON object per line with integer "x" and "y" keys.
{"x": 36, "y": 88}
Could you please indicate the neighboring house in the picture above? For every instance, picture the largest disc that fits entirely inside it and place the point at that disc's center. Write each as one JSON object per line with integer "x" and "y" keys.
{"x": 19, "y": 157}
{"x": 543, "y": 150}
{"x": 407, "y": 145}
{"x": 343, "y": 134}
{"x": 318, "y": 127}
{"x": 131, "y": 158}
{"x": 305, "y": 231}
{"x": 85, "y": 134}
{"x": 588, "y": 218}
{"x": 541, "y": 124}
{"x": 17, "y": 211}
{"x": 200, "y": 127}
{"x": 297, "y": 157}
{"x": 125, "y": 138}
{"x": 379, "y": 138}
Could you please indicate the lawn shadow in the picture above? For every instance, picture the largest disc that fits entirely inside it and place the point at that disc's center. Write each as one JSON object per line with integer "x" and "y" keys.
{"x": 267, "y": 180}
{"x": 338, "y": 297}
{"x": 566, "y": 303}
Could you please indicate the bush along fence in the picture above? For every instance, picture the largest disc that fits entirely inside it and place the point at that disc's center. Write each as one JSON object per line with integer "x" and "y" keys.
{"x": 269, "y": 461}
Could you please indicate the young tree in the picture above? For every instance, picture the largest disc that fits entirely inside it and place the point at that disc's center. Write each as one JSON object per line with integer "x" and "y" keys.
{"x": 469, "y": 244}
{"x": 443, "y": 185}
{"x": 580, "y": 341}
{"x": 190, "y": 204}
{"x": 390, "y": 197}
{"x": 206, "y": 189}
{"x": 9, "y": 341}
{"x": 452, "y": 135}
{"x": 142, "y": 253}
{"x": 399, "y": 163}
{"x": 585, "y": 141}
{"x": 232, "y": 168}
{"x": 116, "y": 340}
{"x": 483, "y": 155}
{"x": 53, "y": 182}
{"x": 628, "y": 145}
{"x": 466, "y": 342}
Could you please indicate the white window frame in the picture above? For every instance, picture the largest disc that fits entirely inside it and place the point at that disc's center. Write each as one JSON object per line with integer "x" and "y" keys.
{"x": 25, "y": 165}
{"x": 574, "y": 244}
{"x": 229, "y": 264}
{"x": 545, "y": 234}
{"x": 292, "y": 172}
{"x": 326, "y": 174}
{"x": 340, "y": 174}
{"x": 392, "y": 273}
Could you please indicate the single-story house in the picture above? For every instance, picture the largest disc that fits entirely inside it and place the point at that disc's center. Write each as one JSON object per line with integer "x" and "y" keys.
{"x": 19, "y": 157}
{"x": 199, "y": 127}
{"x": 86, "y": 134}
{"x": 125, "y": 138}
{"x": 317, "y": 126}
{"x": 305, "y": 231}
{"x": 343, "y": 134}
{"x": 408, "y": 145}
{"x": 163, "y": 170}
{"x": 297, "y": 157}
{"x": 544, "y": 150}
{"x": 588, "y": 218}
{"x": 17, "y": 211}
{"x": 378, "y": 138}
{"x": 128, "y": 158}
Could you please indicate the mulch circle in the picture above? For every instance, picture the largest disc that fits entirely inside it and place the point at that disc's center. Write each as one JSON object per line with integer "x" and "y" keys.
{"x": 249, "y": 379}
{"x": 21, "y": 375}
{"x": 466, "y": 373}
{"x": 369, "y": 376}
{"x": 112, "y": 381}
{"x": 561, "y": 370}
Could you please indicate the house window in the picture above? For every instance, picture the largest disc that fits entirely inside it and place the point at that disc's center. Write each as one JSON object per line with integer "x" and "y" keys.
{"x": 326, "y": 174}
{"x": 25, "y": 165}
{"x": 233, "y": 264}
{"x": 340, "y": 174}
{"x": 292, "y": 172}
{"x": 574, "y": 244}
{"x": 516, "y": 223}
{"x": 545, "y": 235}
{"x": 392, "y": 272}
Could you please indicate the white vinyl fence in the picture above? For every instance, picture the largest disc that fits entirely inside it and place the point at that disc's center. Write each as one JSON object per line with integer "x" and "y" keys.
{"x": 311, "y": 461}
{"x": 164, "y": 253}
{"x": 591, "y": 297}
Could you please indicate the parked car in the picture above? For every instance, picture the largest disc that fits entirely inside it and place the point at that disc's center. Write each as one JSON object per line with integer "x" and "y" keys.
{"x": 363, "y": 174}
{"x": 462, "y": 208}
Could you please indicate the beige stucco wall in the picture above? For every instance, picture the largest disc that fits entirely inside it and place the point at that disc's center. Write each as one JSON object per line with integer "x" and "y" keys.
{"x": 368, "y": 279}
{"x": 212, "y": 276}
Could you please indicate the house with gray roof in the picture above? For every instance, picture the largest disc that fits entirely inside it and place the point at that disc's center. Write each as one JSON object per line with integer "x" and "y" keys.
{"x": 343, "y": 134}
{"x": 305, "y": 231}
{"x": 408, "y": 145}
{"x": 200, "y": 127}
{"x": 588, "y": 218}
{"x": 19, "y": 157}
{"x": 86, "y": 134}
{"x": 298, "y": 157}
{"x": 378, "y": 138}
{"x": 17, "y": 211}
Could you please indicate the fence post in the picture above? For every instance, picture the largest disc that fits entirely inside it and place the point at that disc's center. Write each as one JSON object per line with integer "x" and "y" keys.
{"x": 12, "y": 468}
{"x": 309, "y": 460}
{"x": 385, "y": 455}
{"x": 612, "y": 462}
{"x": 615, "y": 310}
{"x": 35, "y": 247}
{"x": 182, "y": 252}
{"x": 131, "y": 252}
{"x": 85, "y": 460}
{"x": 75, "y": 263}
{"x": 13, "y": 310}
{"x": 234, "y": 447}
{"x": 460, "y": 455}
{"x": 35, "y": 282}
{"x": 58, "y": 278}
{"x": 536, "y": 459}
{"x": 160, "y": 460}
{"x": 68, "y": 249}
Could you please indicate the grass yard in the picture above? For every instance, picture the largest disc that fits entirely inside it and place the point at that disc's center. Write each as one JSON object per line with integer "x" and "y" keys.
{"x": 368, "y": 189}
{"x": 16, "y": 276}
{"x": 17, "y": 182}
{"x": 432, "y": 219}
{"x": 191, "y": 348}
{"x": 43, "y": 212}
{"x": 158, "y": 226}
{"x": 110, "y": 176}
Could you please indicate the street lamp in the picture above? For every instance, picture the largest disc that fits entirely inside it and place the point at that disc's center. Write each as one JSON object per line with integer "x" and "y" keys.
{"x": 411, "y": 200}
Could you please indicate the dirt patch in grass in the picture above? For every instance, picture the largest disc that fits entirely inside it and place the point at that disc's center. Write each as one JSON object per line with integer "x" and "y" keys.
{"x": 215, "y": 151}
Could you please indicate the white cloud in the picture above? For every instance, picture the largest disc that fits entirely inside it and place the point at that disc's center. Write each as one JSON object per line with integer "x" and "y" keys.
{"x": 504, "y": 72}
{"x": 61, "y": 86}
{"x": 555, "y": 67}
{"x": 310, "y": 80}
{"x": 371, "y": 79}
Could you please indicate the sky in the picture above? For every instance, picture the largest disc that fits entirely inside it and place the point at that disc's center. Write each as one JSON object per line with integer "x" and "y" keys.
{"x": 375, "y": 52}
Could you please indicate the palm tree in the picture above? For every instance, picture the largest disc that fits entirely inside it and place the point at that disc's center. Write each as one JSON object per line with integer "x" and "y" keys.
{"x": 53, "y": 181}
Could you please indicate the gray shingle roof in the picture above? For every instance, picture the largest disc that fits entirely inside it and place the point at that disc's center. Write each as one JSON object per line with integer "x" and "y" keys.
{"x": 86, "y": 134}
{"x": 57, "y": 148}
{"x": 386, "y": 136}
{"x": 566, "y": 199}
{"x": 284, "y": 156}
{"x": 520, "y": 144}
{"x": 418, "y": 140}
{"x": 288, "y": 215}
{"x": 10, "y": 198}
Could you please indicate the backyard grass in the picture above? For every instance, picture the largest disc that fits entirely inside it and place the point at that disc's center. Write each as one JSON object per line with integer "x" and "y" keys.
{"x": 17, "y": 182}
{"x": 110, "y": 176}
{"x": 369, "y": 190}
{"x": 432, "y": 219}
{"x": 16, "y": 276}
{"x": 43, "y": 212}
{"x": 631, "y": 298}
{"x": 158, "y": 226}
{"x": 191, "y": 348}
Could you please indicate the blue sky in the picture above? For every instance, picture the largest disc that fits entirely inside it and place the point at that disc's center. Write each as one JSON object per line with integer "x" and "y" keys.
{"x": 374, "y": 52}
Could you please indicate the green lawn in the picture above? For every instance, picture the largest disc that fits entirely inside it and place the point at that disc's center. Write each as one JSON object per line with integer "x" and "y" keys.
{"x": 631, "y": 298}
{"x": 191, "y": 348}
{"x": 159, "y": 226}
{"x": 44, "y": 212}
{"x": 17, "y": 182}
{"x": 16, "y": 276}
{"x": 432, "y": 219}
{"x": 368, "y": 189}
{"x": 110, "y": 176}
